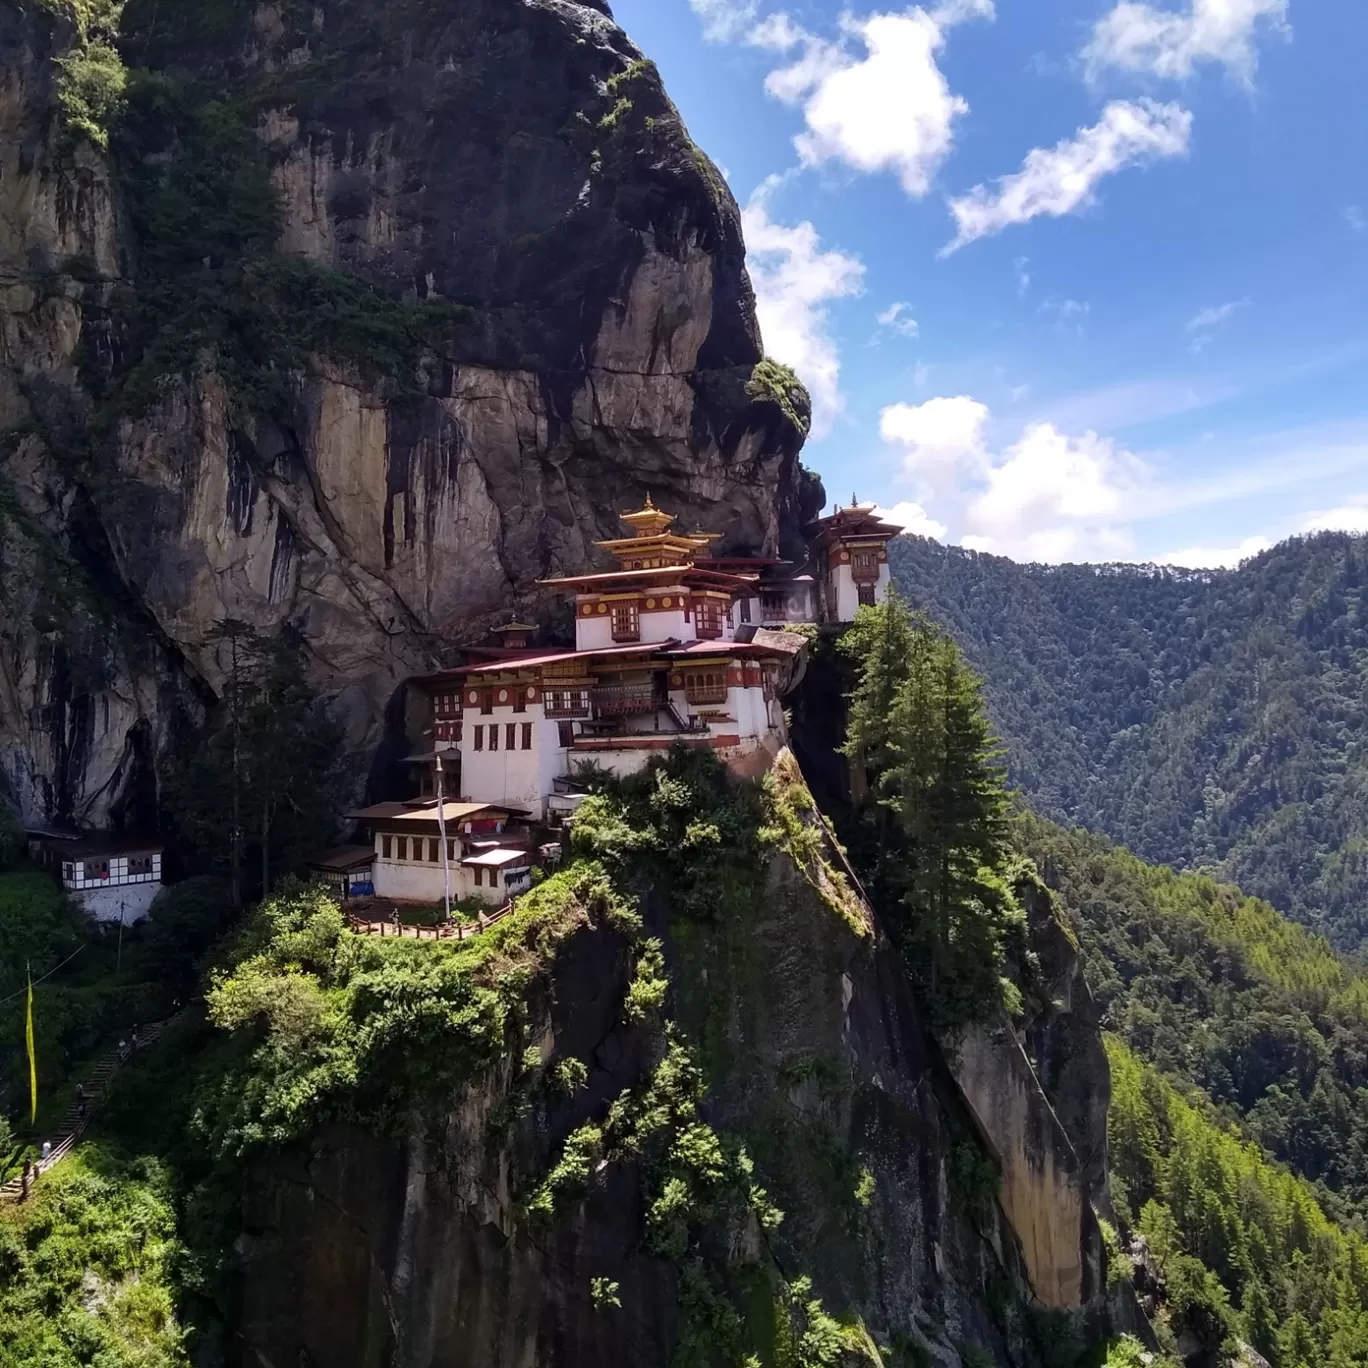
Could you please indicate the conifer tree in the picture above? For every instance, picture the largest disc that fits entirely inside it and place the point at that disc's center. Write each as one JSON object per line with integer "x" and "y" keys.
{"x": 919, "y": 741}
{"x": 272, "y": 752}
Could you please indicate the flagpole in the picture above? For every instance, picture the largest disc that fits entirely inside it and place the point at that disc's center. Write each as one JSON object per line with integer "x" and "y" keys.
{"x": 441, "y": 827}
{"x": 33, "y": 1061}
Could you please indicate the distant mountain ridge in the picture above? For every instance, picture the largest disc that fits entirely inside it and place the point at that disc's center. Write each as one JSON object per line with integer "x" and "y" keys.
{"x": 1205, "y": 718}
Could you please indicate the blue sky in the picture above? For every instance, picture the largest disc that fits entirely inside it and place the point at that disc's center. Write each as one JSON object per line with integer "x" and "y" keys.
{"x": 1068, "y": 279}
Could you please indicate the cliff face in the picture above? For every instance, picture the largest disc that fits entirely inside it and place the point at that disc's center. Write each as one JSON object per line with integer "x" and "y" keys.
{"x": 418, "y": 1251}
{"x": 367, "y": 317}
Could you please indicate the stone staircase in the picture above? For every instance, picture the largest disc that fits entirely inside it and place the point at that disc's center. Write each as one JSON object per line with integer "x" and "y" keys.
{"x": 96, "y": 1084}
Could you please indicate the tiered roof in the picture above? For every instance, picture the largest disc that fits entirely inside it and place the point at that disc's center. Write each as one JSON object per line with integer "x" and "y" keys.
{"x": 858, "y": 521}
{"x": 655, "y": 555}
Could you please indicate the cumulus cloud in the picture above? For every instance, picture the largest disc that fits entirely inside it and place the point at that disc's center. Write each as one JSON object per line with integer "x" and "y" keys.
{"x": 876, "y": 100}
{"x": 873, "y": 97}
{"x": 1351, "y": 517}
{"x": 1048, "y": 496}
{"x": 912, "y": 517}
{"x": 1142, "y": 38}
{"x": 1215, "y": 557}
{"x": 898, "y": 318}
{"x": 941, "y": 440}
{"x": 795, "y": 278}
{"x": 1054, "y": 497}
{"x": 1062, "y": 179}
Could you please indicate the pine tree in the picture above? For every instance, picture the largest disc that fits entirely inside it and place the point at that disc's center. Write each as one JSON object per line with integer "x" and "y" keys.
{"x": 918, "y": 734}
{"x": 272, "y": 752}
{"x": 881, "y": 639}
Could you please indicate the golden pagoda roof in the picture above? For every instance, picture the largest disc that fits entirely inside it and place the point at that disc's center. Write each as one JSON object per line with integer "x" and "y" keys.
{"x": 653, "y": 538}
{"x": 648, "y": 521}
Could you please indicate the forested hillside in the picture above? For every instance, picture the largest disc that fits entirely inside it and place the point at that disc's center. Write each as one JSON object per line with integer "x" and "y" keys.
{"x": 1207, "y": 719}
{"x": 1238, "y": 1125}
{"x": 1214, "y": 986}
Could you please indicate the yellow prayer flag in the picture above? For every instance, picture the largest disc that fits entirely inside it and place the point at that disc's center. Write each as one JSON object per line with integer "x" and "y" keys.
{"x": 33, "y": 1058}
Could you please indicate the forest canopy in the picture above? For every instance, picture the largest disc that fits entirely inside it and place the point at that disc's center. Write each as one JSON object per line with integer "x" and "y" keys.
{"x": 1206, "y": 719}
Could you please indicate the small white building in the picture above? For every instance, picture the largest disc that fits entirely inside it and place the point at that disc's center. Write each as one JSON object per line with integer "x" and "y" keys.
{"x": 851, "y": 549}
{"x": 421, "y": 851}
{"x": 113, "y": 878}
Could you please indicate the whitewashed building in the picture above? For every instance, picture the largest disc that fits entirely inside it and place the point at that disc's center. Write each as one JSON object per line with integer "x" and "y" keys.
{"x": 421, "y": 850}
{"x": 850, "y": 547}
{"x": 114, "y": 879}
{"x": 665, "y": 654}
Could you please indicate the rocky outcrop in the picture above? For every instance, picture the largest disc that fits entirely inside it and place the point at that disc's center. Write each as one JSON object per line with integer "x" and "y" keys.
{"x": 415, "y": 1251}
{"x": 520, "y": 161}
{"x": 1039, "y": 1090}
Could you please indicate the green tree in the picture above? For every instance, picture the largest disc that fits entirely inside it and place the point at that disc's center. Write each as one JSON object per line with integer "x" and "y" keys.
{"x": 928, "y": 784}
{"x": 273, "y": 751}
{"x": 11, "y": 838}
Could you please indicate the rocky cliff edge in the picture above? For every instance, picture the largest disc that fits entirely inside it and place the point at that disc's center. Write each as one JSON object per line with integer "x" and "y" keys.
{"x": 347, "y": 317}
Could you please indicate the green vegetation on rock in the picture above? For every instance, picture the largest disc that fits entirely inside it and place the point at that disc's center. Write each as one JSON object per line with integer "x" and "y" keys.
{"x": 86, "y": 1269}
{"x": 90, "y": 75}
{"x": 773, "y": 382}
{"x": 329, "y": 1025}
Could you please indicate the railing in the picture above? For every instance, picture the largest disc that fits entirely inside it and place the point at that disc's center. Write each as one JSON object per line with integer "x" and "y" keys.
{"x": 451, "y": 931}
{"x": 562, "y": 704}
{"x": 702, "y": 694}
{"x": 76, "y": 1121}
{"x": 685, "y": 724}
{"x": 620, "y": 700}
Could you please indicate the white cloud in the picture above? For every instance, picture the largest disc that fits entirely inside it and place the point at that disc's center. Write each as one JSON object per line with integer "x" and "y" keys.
{"x": 1048, "y": 496}
{"x": 1053, "y": 497}
{"x": 724, "y": 20}
{"x": 1215, "y": 557}
{"x": 1212, "y": 317}
{"x": 1202, "y": 326}
{"x": 1068, "y": 315}
{"x": 912, "y": 517}
{"x": 942, "y": 439}
{"x": 1356, "y": 218}
{"x": 899, "y": 318}
{"x": 794, "y": 279}
{"x": 1140, "y": 38}
{"x": 1062, "y": 179}
{"x": 1347, "y": 518}
{"x": 888, "y": 108}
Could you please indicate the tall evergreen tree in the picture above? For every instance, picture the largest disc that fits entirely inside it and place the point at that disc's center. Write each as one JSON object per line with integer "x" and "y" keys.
{"x": 272, "y": 752}
{"x": 927, "y": 780}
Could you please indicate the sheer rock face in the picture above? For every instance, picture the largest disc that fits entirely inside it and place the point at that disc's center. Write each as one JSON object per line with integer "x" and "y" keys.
{"x": 1040, "y": 1093}
{"x": 520, "y": 159}
{"x": 413, "y": 1251}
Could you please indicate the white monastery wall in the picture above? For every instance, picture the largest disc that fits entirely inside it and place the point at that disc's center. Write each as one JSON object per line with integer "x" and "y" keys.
{"x": 594, "y": 633}
{"x": 106, "y": 903}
